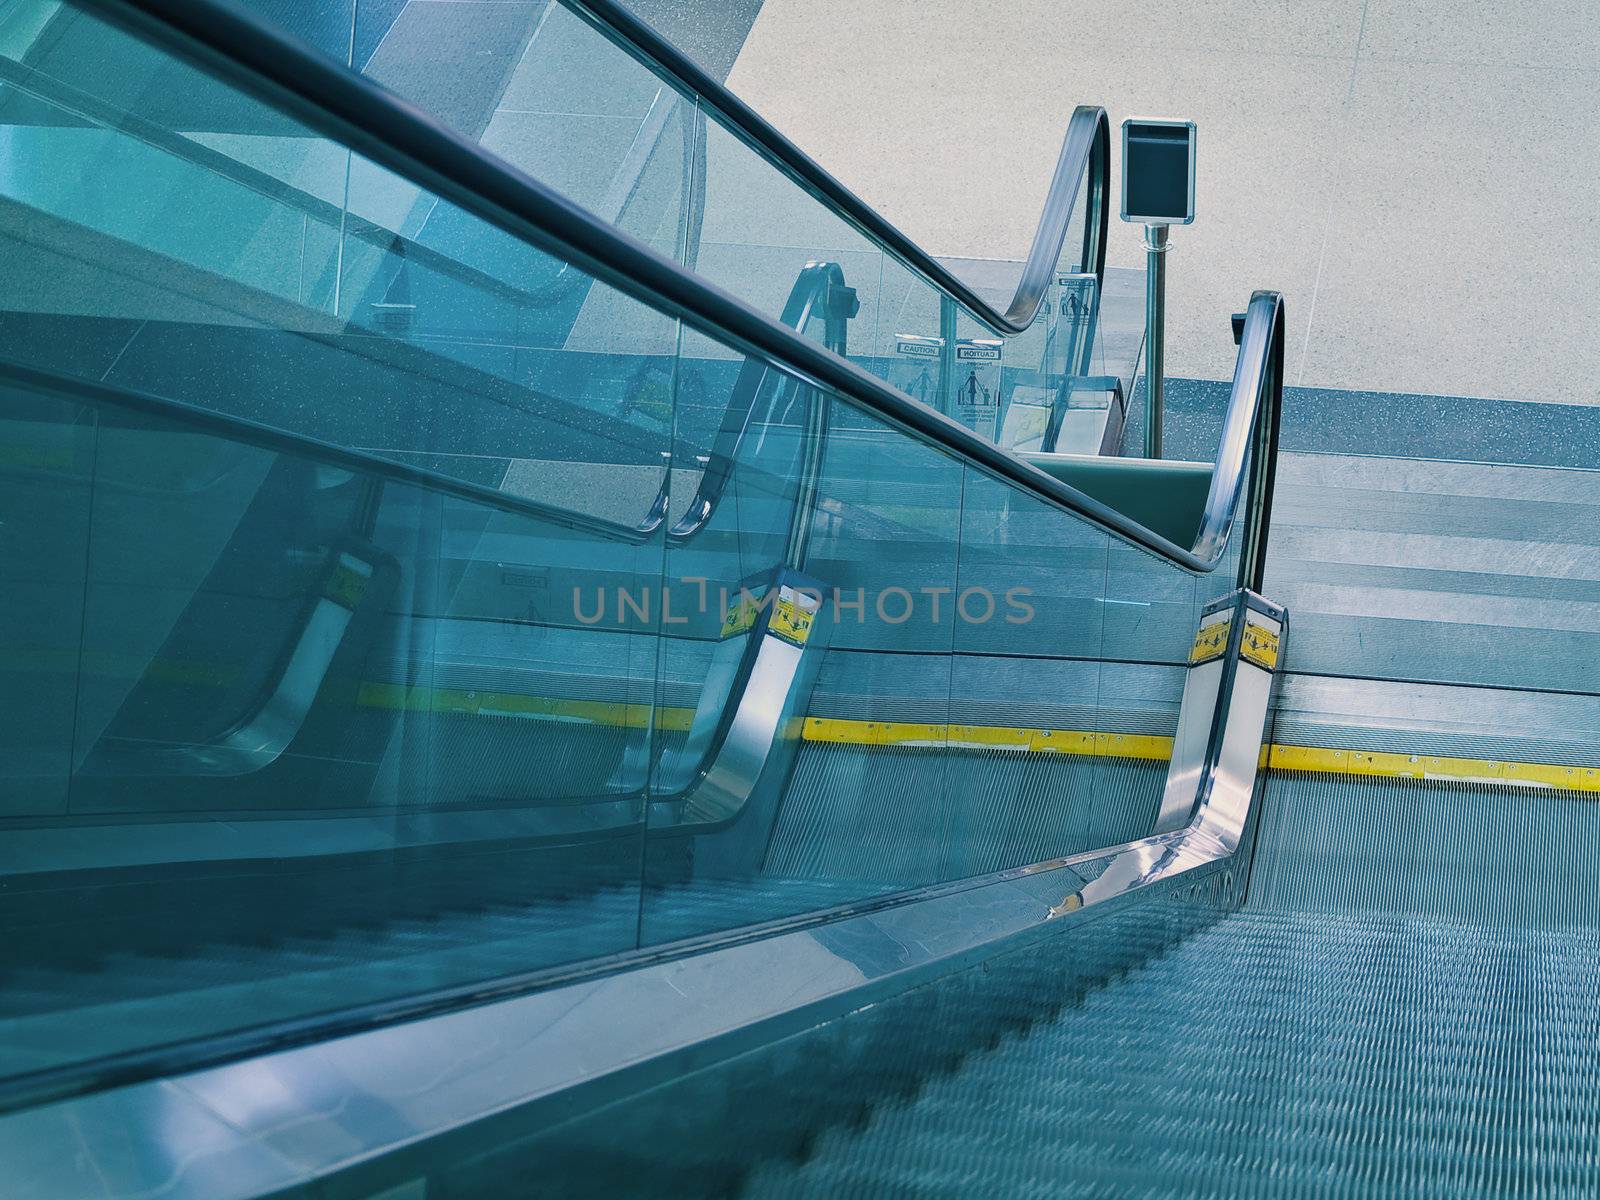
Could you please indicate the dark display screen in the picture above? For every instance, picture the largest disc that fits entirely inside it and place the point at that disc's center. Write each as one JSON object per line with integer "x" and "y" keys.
{"x": 1155, "y": 173}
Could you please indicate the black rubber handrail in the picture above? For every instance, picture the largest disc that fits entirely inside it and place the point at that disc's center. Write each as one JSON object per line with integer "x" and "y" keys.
{"x": 1085, "y": 153}
{"x": 92, "y": 109}
{"x": 393, "y": 133}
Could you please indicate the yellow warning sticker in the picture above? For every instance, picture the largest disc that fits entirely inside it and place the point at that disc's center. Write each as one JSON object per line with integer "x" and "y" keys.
{"x": 791, "y": 619}
{"x": 742, "y": 615}
{"x": 793, "y": 615}
{"x": 1260, "y": 646}
{"x": 1210, "y": 642}
{"x": 346, "y": 585}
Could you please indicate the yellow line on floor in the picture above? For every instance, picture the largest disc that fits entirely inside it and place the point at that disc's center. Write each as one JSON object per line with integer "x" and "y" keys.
{"x": 398, "y": 697}
{"x": 1383, "y": 765}
{"x": 913, "y": 735}
{"x": 1309, "y": 759}
{"x": 987, "y": 737}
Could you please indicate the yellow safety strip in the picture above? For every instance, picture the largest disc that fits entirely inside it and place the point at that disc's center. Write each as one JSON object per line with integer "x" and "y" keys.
{"x": 1386, "y": 765}
{"x": 939, "y": 736}
{"x": 987, "y": 737}
{"x": 398, "y": 697}
{"x": 1311, "y": 759}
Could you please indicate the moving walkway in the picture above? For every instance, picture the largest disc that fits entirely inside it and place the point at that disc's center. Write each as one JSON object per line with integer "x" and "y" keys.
{"x": 661, "y": 757}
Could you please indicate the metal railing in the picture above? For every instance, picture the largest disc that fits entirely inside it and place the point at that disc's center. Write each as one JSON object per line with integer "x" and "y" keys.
{"x": 1247, "y": 455}
{"x": 1085, "y": 154}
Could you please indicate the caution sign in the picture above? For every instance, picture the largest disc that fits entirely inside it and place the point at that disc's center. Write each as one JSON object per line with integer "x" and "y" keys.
{"x": 977, "y": 394}
{"x": 913, "y": 346}
{"x": 741, "y": 615}
{"x": 978, "y": 350}
{"x": 1260, "y": 646}
{"x": 1210, "y": 642}
{"x": 794, "y": 614}
{"x": 915, "y": 370}
{"x": 347, "y": 582}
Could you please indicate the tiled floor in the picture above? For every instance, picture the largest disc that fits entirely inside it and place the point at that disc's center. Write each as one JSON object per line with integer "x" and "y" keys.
{"x": 1421, "y": 178}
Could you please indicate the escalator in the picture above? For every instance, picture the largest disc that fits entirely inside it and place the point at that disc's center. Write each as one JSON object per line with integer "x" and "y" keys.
{"x": 644, "y": 751}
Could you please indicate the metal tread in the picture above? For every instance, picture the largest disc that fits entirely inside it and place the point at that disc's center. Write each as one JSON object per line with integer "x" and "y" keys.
{"x": 1367, "y": 1056}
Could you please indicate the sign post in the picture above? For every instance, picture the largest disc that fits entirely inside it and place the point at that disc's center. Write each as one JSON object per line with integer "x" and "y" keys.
{"x": 1157, "y": 191}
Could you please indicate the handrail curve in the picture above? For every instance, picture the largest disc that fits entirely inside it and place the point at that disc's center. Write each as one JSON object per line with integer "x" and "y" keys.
{"x": 1085, "y": 152}
{"x": 1247, "y": 453}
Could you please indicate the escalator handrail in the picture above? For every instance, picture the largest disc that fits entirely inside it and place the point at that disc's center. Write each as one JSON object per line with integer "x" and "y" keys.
{"x": 1247, "y": 454}
{"x": 332, "y": 216}
{"x": 349, "y": 108}
{"x": 1085, "y": 152}
{"x": 813, "y": 292}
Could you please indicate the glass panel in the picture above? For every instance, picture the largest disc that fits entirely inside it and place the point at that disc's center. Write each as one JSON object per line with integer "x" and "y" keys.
{"x": 332, "y": 26}
{"x": 907, "y": 346}
{"x": 47, "y": 458}
{"x": 328, "y": 732}
{"x": 822, "y": 822}
{"x": 760, "y": 229}
{"x": 180, "y": 179}
{"x": 1028, "y": 679}
{"x": 554, "y": 96}
{"x": 996, "y": 683}
{"x": 389, "y": 622}
{"x": 305, "y": 701}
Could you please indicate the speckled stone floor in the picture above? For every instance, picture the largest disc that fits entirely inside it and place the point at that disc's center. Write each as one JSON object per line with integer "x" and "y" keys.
{"x": 1416, "y": 176}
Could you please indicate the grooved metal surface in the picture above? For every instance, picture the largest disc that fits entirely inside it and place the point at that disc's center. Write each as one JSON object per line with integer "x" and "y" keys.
{"x": 1408, "y": 1005}
{"x": 1486, "y": 856}
{"x": 1273, "y": 1054}
{"x": 904, "y": 817}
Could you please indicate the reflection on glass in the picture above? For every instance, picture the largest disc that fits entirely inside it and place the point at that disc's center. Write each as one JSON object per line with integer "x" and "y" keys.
{"x": 309, "y": 704}
{"x": 402, "y": 609}
{"x": 563, "y": 100}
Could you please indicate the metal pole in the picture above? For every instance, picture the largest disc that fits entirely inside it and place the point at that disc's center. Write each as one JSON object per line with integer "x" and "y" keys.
{"x": 947, "y": 355}
{"x": 1155, "y": 336}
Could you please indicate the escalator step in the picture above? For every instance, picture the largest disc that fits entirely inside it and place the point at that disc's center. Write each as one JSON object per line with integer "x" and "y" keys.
{"x": 1271, "y": 1054}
